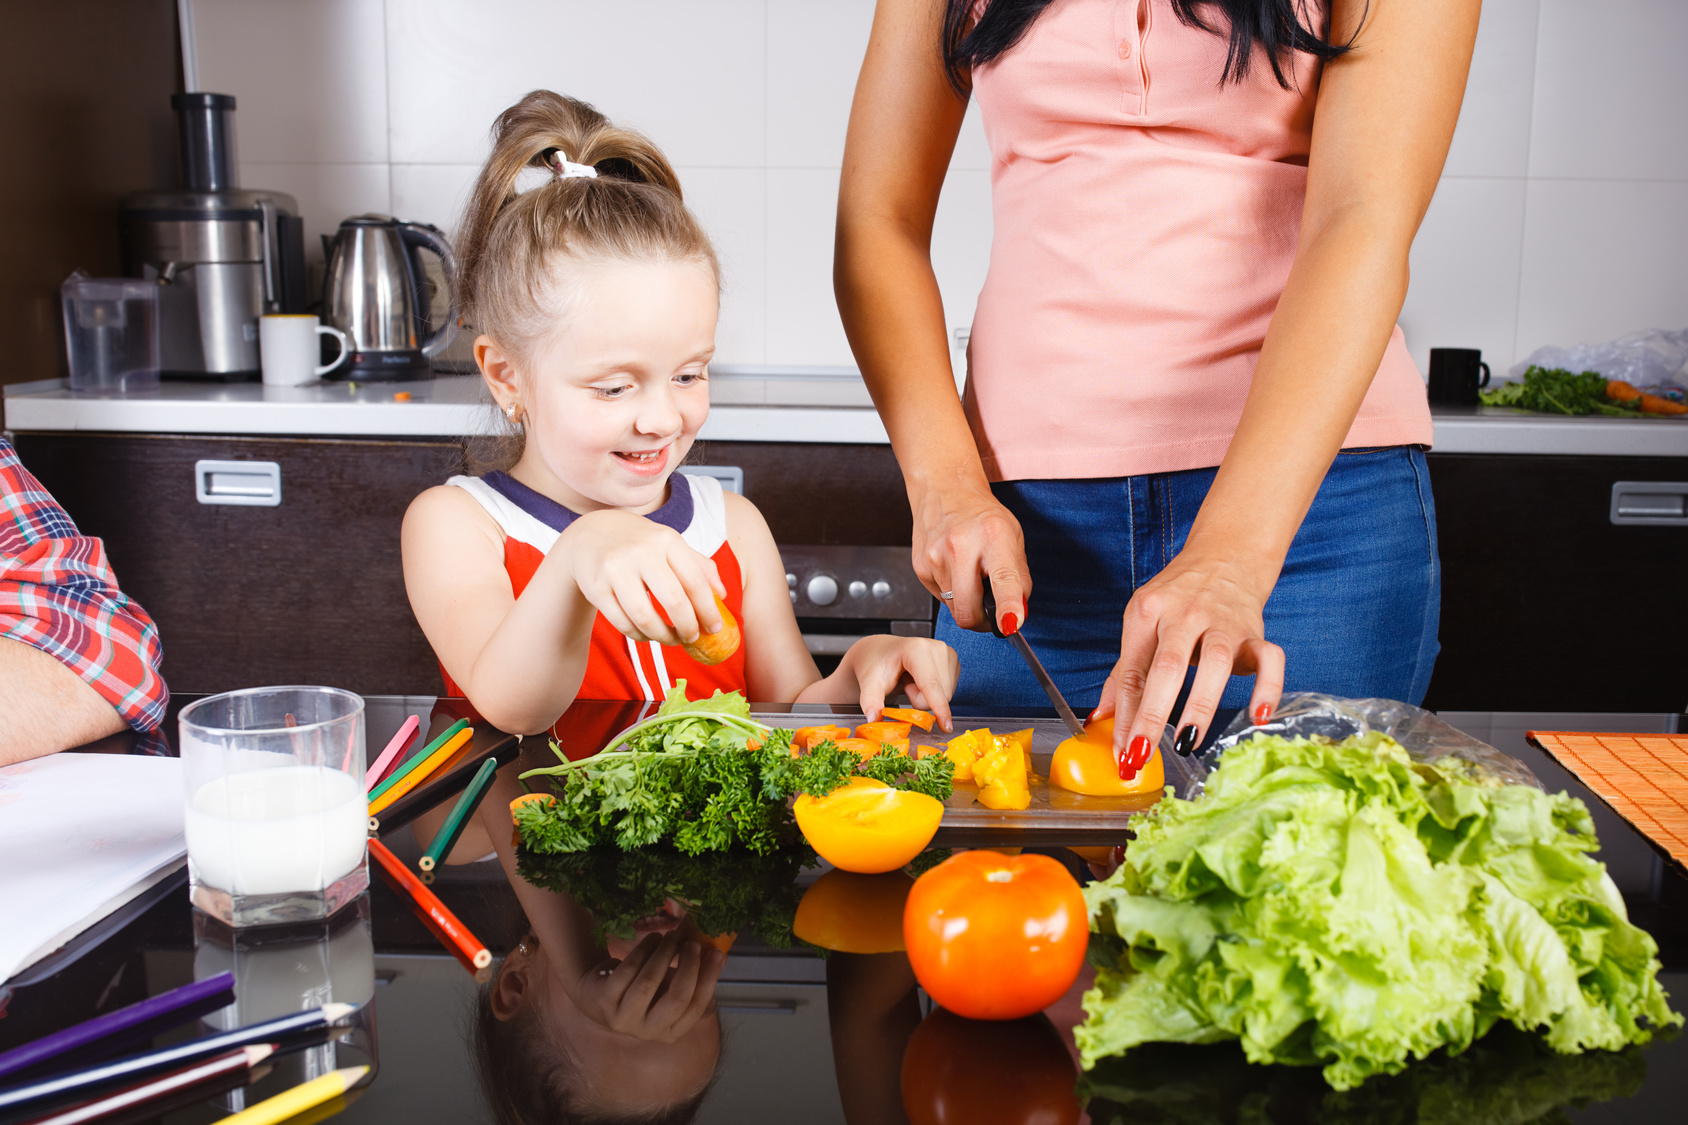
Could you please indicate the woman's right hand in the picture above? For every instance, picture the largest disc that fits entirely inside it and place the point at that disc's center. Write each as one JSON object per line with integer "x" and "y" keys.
{"x": 657, "y": 993}
{"x": 627, "y": 567}
{"x": 961, "y": 532}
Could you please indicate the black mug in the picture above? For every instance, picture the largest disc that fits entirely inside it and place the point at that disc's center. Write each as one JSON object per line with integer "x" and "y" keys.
{"x": 1456, "y": 375}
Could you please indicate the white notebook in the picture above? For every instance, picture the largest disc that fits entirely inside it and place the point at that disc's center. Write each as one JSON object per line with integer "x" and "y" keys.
{"x": 80, "y": 835}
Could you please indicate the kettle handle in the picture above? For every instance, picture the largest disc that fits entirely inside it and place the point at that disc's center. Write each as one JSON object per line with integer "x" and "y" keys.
{"x": 429, "y": 237}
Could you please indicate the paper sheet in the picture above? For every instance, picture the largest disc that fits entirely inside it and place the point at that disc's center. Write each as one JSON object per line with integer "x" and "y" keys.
{"x": 80, "y": 834}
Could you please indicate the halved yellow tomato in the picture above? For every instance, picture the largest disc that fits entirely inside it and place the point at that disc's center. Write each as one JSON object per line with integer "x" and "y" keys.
{"x": 865, "y": 825}
{"x": 851, "y": 913}
{"x": 1087, "y": 765}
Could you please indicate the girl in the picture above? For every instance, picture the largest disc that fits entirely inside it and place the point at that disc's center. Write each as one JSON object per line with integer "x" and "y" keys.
{"x": 579, "y": 568}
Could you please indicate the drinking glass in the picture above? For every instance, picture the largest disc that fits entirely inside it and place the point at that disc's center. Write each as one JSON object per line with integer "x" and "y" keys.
{"x": 277, "y": 817}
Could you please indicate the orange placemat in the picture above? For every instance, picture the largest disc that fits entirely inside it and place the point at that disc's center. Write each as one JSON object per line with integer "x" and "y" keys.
{"x": 1644, "y": 777}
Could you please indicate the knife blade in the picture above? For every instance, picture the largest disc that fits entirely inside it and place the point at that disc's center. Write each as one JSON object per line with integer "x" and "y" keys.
{"x": 1024, "y": 648}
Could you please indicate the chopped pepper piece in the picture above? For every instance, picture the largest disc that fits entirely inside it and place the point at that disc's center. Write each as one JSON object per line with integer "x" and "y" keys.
{"x": 1001, "y": 775}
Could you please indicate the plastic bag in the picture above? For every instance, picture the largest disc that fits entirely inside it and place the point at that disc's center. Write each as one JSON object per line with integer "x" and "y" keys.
{"x": 1652, "y": 358}
{"x": 1425, "y": 737}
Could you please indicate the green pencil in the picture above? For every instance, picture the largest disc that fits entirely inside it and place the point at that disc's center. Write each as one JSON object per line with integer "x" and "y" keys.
{"x": 417, "y": 759}
{"x": 446, "y": 838}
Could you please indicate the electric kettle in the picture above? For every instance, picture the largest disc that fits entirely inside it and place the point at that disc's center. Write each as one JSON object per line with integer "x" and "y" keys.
{"x": 376, "y": 292}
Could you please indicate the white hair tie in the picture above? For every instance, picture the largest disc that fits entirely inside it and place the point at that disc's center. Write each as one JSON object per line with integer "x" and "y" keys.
{"x": 531, "y": 176}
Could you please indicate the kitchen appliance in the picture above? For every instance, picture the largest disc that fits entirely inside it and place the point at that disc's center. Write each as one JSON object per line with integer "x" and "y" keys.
{"x": 376, "y": 291}
{"x": 843, "y": 593}
{"x": 110, "y": 332}
{"x": 222, "y": 256}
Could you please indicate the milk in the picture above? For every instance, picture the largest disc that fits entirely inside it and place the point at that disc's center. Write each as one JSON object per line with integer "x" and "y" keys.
{"x": 277, "y": 831}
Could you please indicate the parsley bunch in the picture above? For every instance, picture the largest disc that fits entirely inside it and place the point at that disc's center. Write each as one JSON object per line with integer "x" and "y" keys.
{"x": 1553, "y": 390}
{"x": 704, "y": 777}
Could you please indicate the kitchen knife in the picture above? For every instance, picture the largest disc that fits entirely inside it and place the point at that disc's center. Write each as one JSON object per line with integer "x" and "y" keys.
{"x": 1018, "y": 640}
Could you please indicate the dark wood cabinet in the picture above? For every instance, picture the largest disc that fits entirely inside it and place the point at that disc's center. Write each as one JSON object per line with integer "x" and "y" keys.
{"x": 1546, "y": 604}
{"x": 309, "y": 591}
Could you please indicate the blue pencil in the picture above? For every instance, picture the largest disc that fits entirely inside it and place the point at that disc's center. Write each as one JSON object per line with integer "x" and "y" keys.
{"x": 88, "y": 1031}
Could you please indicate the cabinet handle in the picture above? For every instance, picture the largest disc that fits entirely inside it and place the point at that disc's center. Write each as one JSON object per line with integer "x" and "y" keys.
{"x": 252, "y": 483}
{"x": 1650, "y": 503}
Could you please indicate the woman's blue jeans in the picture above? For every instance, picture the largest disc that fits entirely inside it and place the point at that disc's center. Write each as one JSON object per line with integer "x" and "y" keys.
{"x": 1355, "y": 608}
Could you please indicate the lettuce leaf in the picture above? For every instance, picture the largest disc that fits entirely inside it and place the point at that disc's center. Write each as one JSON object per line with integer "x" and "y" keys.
{"x": 1338, "y": 904}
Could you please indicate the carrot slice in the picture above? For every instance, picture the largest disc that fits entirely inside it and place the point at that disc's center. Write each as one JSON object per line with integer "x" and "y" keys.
{"x": 808, "y": 737}
{"x": 883, "y": 732}
{"x": 921, "y": 719}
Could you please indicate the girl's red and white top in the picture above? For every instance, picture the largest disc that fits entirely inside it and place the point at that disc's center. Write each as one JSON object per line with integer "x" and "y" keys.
{"x": 619, "y": 667}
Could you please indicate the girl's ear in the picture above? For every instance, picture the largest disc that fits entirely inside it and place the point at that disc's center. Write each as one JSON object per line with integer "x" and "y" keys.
{"x": 515, "y": 975}
{"x": 498, "y": 369}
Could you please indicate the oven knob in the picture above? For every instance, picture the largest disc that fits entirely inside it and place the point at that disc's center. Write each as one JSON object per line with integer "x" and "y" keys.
{"x": 858, "y": 589}
{"x": 791, "y": 580}
{"x": 822, "y": 589}
{"x": 882, "y": 589}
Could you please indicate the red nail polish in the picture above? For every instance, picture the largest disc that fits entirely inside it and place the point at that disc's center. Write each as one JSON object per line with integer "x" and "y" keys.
{"x": 1127, "y": 771}
{"x": 1263, "y": 712}
{"x": 1010, "y": 623}
{"x": 1139, "y": 751}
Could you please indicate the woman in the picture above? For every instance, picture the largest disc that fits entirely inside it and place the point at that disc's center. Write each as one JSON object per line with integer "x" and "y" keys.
{"x": 1188, "y": 406}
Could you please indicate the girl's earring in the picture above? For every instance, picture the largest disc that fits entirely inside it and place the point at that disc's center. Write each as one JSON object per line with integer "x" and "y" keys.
{"x": 512, "y": 412}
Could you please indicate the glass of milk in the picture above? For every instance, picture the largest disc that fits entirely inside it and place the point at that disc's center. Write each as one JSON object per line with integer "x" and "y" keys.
{"x": 277, "y": 817}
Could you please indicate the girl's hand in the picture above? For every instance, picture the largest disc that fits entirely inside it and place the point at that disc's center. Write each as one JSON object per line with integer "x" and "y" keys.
{"x": 646, "y": 995}
{"x": 923, "y": 669}
{"x": 634, "y": 571}
{"x": 961, "y": 533}
{"x": 1196, "y": 611}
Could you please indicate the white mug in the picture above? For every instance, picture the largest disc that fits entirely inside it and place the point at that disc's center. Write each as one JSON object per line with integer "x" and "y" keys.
{"x": 288, "y": 349}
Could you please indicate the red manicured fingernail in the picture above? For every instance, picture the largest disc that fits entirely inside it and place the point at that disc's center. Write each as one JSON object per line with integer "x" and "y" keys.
{"x": 1263, "y": 712}
{"x": 1093, "y": 714}
{"x": 1138, "y": 752}
{"x": 1010, "y": 623}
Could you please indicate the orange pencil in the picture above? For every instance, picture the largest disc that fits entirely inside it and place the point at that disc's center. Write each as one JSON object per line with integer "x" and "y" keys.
{"x": 465, "y": 944}
{"x": 420, "y": 774}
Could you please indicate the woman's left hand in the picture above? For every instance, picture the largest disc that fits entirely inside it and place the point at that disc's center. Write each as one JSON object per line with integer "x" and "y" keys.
{"x": 924, "y": 670}
{"x": 1201, "y": 611}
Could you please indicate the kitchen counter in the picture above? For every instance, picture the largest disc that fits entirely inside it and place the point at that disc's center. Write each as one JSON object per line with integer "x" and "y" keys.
{"x": 807, "y": 405}
{"x": 794, "y": 1024}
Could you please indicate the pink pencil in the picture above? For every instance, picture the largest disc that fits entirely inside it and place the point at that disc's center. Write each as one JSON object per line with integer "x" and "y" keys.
{"x": 392, "y": 752}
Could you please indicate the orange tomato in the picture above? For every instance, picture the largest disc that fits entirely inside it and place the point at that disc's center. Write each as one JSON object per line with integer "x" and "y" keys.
{"x": 866, "y": 826}
{"x": 958, "y": 1071}
{"x": 712, "y": 648}
{"x": 1087, "y": 765}
{"x": 996, "y": 937}
{"x": 851, "y": 913}
{"x": 883, "y": 732}
{"x": 807, "y": 738}
{"x": 921, "y": 719}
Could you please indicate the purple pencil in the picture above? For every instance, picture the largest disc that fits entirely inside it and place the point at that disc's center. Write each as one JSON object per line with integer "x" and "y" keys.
{"x": 391, "y": 753}
{"x": 89, "y": 1031}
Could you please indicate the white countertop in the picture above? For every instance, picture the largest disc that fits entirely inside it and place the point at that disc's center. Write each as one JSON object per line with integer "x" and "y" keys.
{"x": 808, "y": 405}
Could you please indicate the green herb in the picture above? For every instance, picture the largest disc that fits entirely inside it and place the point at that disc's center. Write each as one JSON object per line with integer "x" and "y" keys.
{"x": 1553, "y": 390}
{"x": 702, "y": 776}
{"x": 1339, "y": 903}
{"x": 933, "y": 775}
{"x": 724, "y": 893}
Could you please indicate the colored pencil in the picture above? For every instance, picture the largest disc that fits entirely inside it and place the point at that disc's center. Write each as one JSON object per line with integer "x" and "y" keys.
{"x": 267, "y": 1032}
{"x": 142, "y": 1093}
{"x": 421, "y": 773}
{"x": 418, "y": 758}
{"x": 448, "y": 781}
{"x": 446, "y": 838}
{"x": 394, "y": 748}
{"x": 300, "y": 1098}
{"x": 88, "y": 1031}
{"x": 471, "y": 947}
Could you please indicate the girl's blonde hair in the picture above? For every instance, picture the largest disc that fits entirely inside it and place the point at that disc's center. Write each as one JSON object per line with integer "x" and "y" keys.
{"x": 514, "y": 249}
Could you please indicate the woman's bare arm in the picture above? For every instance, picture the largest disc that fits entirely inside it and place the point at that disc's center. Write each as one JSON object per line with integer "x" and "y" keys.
{"x": 903, "y": 126}
{"x": 1385, "y": 116}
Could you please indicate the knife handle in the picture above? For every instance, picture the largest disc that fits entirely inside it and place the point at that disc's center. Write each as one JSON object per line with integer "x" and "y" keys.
{"x": 990, "y": 609}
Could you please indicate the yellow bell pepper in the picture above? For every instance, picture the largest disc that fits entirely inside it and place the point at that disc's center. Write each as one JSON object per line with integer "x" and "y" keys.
{"x": 866, "y": 826}
{"x": 1001, "y": 775}
{"x": 964, "y": 749}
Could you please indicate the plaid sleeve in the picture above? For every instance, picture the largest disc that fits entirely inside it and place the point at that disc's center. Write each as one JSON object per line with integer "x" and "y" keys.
{"x": 58, "y": 594}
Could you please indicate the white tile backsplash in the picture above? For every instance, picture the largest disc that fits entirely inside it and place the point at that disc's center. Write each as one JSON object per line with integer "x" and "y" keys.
{"x": 1558, "y": 219}
{"x": 1493, "y": 136}
{"x": 308, "y": 76}
{"x": 1465, "y": 261}
{"x": 1601, "y": 258}
{"x": 1611, "y": 90}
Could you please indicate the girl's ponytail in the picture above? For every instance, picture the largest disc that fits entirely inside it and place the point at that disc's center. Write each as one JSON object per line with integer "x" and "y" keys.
{"x": 509, "y": 242}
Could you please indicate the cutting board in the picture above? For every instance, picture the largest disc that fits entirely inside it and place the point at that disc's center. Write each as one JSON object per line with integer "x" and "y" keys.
{"x": 1052, "y": 807}
{"x": 1644, "y": 777}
